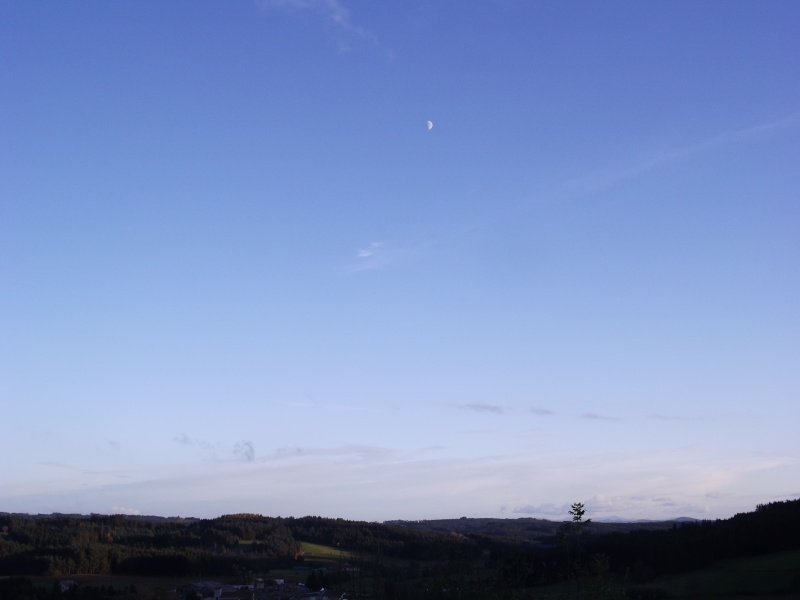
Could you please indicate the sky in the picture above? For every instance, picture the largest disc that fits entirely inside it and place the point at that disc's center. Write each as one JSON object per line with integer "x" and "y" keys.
{"x": 240, "y": 273}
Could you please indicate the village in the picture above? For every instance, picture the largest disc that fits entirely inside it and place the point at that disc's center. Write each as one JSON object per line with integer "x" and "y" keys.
{"x": 260, "y": 589}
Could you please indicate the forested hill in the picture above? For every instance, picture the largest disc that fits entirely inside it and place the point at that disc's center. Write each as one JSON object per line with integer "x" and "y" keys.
{"x": 234, "y": 544}
{"x": 773, "y": 527}
{"x": 524, "y": 529}
{"x": 70, "y": 544}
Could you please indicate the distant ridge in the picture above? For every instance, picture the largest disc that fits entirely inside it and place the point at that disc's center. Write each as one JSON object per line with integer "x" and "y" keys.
{"x": 622, "y": 520}
{"x": 421, "y": 523}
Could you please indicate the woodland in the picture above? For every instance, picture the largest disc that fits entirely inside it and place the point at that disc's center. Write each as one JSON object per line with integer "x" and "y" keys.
{"x": 457, "y": 558}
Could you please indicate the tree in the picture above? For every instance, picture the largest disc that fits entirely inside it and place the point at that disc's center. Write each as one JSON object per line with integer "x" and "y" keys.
{"x": 577, "y": 511}
{"x": 573, "y": 532}
{"x": 579, "y": 525}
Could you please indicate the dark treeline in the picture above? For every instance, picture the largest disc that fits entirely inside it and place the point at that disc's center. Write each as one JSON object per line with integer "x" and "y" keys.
{"x": 241, "y": 546}
{"x": 63, "y": 545}
{"x": 644, "y": 554}
{"x": 773, "y": 527}
{"x": 227, "y": 546}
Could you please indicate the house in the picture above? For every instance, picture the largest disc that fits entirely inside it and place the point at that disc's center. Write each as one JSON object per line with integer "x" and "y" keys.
{"x": 208, "y": 589}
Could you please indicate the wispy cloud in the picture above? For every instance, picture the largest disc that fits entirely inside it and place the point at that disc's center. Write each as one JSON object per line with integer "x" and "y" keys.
{"x": 332, "y": 11}
{"x": 542, "y": 412}
{"x": 371, "y": 250}
{"x": 597, "y": 417}
{"x": 383, "y": 254}
{"x": 376, "y": 255}
{"x": 242, "y": 450}
{"x": 554, "y": 511}
{"x": 364, "y": 451}
{"x": 304, "y": 479}
{"x": 492, "y": 408}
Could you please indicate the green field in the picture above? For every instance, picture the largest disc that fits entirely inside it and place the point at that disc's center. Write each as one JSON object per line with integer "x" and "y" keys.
{"x": 326, "y": 554}
{"x": 315, "y": 556}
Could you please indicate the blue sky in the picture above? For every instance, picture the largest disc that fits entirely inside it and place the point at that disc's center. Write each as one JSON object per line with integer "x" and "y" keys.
{"x": 240, "y": 274}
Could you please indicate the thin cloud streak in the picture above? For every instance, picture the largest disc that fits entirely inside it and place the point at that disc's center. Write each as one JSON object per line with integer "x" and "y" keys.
{"x": 491, "y": 408}
{"x": 597, "y": 417}
{"x": 364, "y": 451}
{"x": 601, "y": 179}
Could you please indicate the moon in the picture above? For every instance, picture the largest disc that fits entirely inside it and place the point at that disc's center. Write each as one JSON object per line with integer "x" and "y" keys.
{"x": 430, "y": 125}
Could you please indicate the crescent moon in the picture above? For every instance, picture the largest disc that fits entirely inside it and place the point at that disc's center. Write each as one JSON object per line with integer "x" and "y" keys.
{"x": 430, "y": 125}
